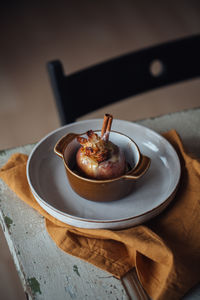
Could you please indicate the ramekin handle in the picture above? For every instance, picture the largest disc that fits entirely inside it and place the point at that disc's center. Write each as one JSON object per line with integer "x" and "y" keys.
{"x": 63, "y": 142}
{"x": 141, "y": 168}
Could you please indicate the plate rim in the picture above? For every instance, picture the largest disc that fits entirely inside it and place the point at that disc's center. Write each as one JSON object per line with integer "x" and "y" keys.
{"x": 92, "y": 221}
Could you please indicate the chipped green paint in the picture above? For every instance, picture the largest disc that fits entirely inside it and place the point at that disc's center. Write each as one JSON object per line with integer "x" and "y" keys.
{"x": 34, "y": 285}
{"x": 2, "y": 152}
{"x": 8, "y": 221}
{"x": 75, "y": 269}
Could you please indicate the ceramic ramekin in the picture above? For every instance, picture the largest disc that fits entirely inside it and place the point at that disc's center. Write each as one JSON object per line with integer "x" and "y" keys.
{"x": 103, "y": 190}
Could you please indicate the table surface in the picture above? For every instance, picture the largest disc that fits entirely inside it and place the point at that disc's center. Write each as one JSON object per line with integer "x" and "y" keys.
{"x": 46, "y": 272}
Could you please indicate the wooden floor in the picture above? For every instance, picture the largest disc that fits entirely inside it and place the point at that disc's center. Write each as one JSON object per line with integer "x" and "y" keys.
{"x": 80, "y": 33}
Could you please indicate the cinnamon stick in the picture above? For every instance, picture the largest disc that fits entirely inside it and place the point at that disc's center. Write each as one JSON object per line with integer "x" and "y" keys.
{"x": 105, "y": 131}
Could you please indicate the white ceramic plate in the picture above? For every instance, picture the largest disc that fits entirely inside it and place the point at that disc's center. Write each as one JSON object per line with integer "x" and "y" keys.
{"x": 152, "y": 193}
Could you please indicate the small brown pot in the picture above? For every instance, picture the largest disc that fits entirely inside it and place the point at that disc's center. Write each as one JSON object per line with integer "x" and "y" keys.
{"x": 103, "y": 190}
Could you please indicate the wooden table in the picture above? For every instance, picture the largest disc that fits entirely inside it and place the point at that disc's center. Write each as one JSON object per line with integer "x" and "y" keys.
{"x": 46, "y": 272}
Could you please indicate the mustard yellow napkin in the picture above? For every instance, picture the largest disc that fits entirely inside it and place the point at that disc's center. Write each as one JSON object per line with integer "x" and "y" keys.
{"x": 165, "y": 251}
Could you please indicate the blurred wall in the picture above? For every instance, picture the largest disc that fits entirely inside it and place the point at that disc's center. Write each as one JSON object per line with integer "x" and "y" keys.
{"x": 80, "y": 33}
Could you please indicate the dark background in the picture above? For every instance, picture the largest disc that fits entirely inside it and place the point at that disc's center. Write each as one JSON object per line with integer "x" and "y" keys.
{"x": 80, "y": 33}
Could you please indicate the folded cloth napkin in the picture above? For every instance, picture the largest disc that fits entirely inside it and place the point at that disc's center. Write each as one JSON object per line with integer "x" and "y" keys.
{"x": 165, "y": 251}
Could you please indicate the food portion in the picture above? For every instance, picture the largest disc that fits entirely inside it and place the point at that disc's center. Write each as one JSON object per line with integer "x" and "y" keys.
{"x": 99, "y": 158}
